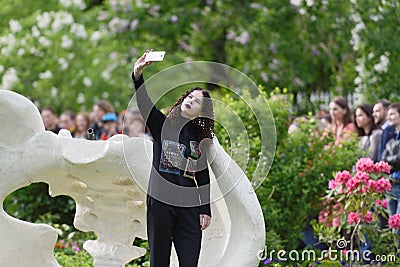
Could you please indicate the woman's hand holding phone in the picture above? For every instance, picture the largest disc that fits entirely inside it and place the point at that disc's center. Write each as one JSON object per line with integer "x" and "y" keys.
{"x": 146, "y": 59}
{"x": 140, "y": 64}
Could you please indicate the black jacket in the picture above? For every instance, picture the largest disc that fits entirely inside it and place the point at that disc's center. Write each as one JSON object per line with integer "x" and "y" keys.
{"x": 179, "y": 174}
{"x": 391, "y": 154}
{"x": 387, "y": 134}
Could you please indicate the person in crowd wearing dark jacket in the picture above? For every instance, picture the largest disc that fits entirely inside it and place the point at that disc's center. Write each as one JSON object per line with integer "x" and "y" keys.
{"x": 67, "y": 120}
{"x": 50, "y": 120}
{"x": 178, "y": 196}
{"x": 380, "y": 114}
{"x": 392, "y": 156}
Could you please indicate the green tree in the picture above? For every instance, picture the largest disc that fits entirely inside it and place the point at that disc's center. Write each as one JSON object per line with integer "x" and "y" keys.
{"x": 376, "y": 22}
{"x": 68, "y": 54}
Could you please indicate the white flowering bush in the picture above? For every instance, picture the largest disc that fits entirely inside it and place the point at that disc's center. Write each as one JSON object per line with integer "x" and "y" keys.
{"x": 67, "y": 54}
{"x": 67, "y": 57}
{"x": 376, "y": 50}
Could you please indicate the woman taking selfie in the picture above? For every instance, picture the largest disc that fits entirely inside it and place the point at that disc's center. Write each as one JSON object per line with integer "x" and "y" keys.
{"x": 178, "y": 195}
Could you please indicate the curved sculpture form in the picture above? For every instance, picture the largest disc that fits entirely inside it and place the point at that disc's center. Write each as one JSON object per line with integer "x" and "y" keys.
{"x": 108, "y": 201}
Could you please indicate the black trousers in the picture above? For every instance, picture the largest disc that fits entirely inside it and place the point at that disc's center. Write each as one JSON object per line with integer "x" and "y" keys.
{"x": 167, "y": 224}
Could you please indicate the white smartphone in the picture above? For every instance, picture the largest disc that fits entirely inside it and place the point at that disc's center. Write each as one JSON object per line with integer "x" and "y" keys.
{"x": 155, "y": 56}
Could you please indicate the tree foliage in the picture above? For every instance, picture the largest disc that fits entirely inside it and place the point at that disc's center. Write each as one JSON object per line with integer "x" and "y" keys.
{"x": 376, "y": 22}
{"x": 67, "y": 54}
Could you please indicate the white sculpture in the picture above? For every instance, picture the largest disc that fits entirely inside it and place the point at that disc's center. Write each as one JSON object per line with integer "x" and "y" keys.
{"x": 103, "y": 178}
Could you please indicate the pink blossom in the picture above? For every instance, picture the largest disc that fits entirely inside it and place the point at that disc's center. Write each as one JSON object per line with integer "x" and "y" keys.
{"x": 332, "y": 184}
{"x": 336, "y": 222}
{"x": 382, "y": 166}
{"x": 361, "y": 177}
{"x": 365, "y": 165}
{"x": 394, "y": 221}
{"x": 353, "y": 217}
{"x": 380, "y": 185}
{"x": 385, "y": 203}
{"x": 352, "y": 184}
{"x": 342, "y": 177}
{"x": 383, "y": 185}
{"x": 75, "y": 247}
{"x": 368, "y": 217}
{"x": 365, "y": 189}
{"x": 373, "y": 185}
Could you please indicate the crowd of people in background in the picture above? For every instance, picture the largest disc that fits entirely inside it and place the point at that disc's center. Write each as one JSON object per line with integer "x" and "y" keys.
{"x": 374, "y": 125}
{"x": 103, "y": 120}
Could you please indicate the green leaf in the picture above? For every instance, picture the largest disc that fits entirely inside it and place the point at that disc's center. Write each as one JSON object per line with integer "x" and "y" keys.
{"x": 361, "y": 236}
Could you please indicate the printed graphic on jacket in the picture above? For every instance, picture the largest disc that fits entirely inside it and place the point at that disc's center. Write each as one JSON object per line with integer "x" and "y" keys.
{"x": 194, "y": 149}
{"x": 171, "y": 156}
{"x": 191, "y": 163}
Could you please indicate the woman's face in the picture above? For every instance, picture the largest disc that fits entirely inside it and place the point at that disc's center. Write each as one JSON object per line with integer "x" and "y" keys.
{"x": 81, "y": 123}
{"x": 98, "y": 113}
{"x": 362, "y": 119}
{"x": 336, "y": 111}
{"x": 192, "y": 105}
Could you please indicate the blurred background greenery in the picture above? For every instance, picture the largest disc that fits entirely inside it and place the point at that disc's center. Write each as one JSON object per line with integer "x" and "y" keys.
{"x": 67, "y": 54}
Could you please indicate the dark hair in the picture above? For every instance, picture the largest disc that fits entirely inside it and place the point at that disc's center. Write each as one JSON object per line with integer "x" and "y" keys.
{"x": 105, "y": 105}
{"x": 342, "y": 102}
{"x": 49, "y": 109}
{"x": 206, "y": 119}
{"x": 367, "y": 109}
{"x": 328, "y": 118}
{"x": 385, "y": 103}
{"x": 395, "y": 106}
{"x": 70, "y": 114}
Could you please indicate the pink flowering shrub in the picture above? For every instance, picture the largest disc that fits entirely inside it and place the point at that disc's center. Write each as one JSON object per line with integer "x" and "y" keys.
{"x": 353, "y": 218}
{"x": 365, "y": 164}
{"x": 363, "y": 197}
{"x": 394, "y": 221}
{"x": 369, "y": 178}
{"x": 362, "y": 180}
{"x": 382, "y": 166}
{"x": 384, "y": 203}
